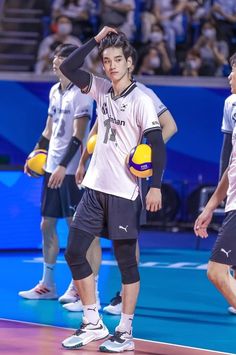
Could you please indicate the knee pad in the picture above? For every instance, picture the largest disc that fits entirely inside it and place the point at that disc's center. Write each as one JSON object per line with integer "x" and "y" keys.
{"x": 129, "y": 270}
{"x": 75, "y": 253}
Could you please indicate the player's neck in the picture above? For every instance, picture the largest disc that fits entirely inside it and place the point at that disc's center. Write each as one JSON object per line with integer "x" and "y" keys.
{"x": 64, "y": 83}
{"x": 120, "y": 85}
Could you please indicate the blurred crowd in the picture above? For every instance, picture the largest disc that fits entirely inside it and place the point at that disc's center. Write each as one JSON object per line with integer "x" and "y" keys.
{"x": 172, "y": 37}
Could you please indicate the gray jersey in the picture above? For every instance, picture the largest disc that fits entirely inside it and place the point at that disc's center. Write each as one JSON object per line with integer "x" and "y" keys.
{"x": 122, "y": 122}
{"x": 64, "y": 108}
{"x": 159, "y": 106}
{"x": 229, "y": 116}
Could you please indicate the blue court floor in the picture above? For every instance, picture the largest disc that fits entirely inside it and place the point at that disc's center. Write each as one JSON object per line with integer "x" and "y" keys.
{"x": 177, "y": 303}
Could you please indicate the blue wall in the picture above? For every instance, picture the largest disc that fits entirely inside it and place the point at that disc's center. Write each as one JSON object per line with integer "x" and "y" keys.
{"x": 20, "y": 213}
{"x": 192, "y": 153}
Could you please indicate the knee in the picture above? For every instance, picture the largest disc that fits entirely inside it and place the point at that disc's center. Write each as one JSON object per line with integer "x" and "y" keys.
{"x": 129, "y": 270}
{"x": 214, "y": 274}
{"x": 75, "y": 253}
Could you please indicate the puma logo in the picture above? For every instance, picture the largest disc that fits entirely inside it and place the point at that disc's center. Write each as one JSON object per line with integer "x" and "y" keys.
{"x": 92, "y": 309}
{"x": 124, "y": 228}
{"x": 226, "y": 252}
{"x": 73, "y": 208}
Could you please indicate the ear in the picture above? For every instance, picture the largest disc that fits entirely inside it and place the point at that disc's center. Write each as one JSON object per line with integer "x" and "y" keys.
{"x": 129, "y": 62}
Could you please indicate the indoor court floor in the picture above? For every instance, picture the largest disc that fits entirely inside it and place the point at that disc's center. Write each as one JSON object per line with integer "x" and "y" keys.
{"x": 178, "y": 310}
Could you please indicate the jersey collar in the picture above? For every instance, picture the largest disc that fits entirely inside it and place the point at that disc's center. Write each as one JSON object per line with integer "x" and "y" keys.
{"x": 124, "y": 93}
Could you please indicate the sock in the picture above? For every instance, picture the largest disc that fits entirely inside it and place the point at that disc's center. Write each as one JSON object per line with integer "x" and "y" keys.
{"x": 48, "y": 274}
{"x": 91, "y": 313}
{"x": 125, "y": 324}
{"x": 96, "y": 287}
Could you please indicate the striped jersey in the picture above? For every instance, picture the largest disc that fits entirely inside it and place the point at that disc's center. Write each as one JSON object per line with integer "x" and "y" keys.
{"x": 122, "y": 122}
{"x": 64, "y": 108}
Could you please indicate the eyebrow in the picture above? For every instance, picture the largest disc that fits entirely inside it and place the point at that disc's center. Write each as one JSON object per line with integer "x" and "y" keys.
{"x": 116, "y": 57}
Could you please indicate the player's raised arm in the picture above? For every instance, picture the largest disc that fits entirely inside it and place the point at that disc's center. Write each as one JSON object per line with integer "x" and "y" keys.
{"x": 71, "y": 65}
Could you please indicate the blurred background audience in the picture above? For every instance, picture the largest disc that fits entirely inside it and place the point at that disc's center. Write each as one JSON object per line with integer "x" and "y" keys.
{"x": 172, "y": 37}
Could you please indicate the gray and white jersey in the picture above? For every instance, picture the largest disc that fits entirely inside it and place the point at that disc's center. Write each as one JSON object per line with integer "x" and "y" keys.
{"x": 229, "y": 116}
{"x": 122, "y": 122}
{"x": 64, "y": 108}
{"x": 159, "y": 106}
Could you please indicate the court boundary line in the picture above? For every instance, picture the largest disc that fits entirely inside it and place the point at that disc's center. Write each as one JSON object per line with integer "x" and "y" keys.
{"x": 144, "y": 340}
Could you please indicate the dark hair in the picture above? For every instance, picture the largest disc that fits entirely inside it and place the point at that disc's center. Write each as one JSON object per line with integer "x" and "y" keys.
{"x": 60, "y": 17}
{"x": 64, "y": 50}
{"x": 117, "y": 40}
{"x": 232, "y": 60}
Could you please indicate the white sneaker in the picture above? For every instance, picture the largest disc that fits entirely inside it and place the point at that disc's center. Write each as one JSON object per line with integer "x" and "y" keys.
{"x": 71, "y": 294}
{"x": 119, "y": 342}
{"x": 78, "y": 306}
{"x": 85, "y": 334}
{"x": 40, "y": 292}
{"x": 115, "y": 305}
{"x": 232, "y": 310}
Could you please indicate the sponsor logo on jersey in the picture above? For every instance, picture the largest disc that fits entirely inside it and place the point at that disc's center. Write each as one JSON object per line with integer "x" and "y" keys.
{"x": 123, "y": 107}
{"x": 116, "y": 121}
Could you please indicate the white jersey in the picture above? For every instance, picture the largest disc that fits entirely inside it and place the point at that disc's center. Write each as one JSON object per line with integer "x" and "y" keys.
{"x": 64, "y": 108}
{"x": 229, "y": 116}
{"x": 122, "y": 121}
{"x": 229, "y": 126}
{"x": 159, "y": 106}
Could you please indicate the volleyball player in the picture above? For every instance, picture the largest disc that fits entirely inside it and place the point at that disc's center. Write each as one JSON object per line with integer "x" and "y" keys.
{"x": 111, "y": 200}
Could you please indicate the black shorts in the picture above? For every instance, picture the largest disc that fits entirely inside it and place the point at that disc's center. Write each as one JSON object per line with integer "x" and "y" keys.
{"x": 114, "y": 217}
{"x": 61, "y": 202}
{"x": 224, "y": 250}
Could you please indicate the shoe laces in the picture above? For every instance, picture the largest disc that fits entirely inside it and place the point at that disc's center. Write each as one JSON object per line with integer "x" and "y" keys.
{"x": 116, "y": 300}
{"x": 117, "y": 337}
{"x": 81, "y": 329}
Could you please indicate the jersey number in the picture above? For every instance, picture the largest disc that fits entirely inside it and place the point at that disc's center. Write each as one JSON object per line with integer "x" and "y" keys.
{"x": 110, "y": 132}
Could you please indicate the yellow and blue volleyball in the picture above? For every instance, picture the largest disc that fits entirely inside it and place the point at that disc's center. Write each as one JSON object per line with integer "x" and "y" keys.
{"x": 91, "y": 144}
{"x": 140, "y": 161}
{"x": 36, "y": 162}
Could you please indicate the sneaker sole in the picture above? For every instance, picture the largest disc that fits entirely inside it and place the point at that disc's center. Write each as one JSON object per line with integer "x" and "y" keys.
{"x": 83, "y": 343}
{"x": 39, "y": 299}
{"x": 104, "y": 349}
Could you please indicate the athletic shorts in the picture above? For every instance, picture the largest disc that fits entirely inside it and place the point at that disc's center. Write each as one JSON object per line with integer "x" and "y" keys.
{"x": 60, "y": 202}
{"x": 224, "y": 250}
{"x": 114, "y": 217}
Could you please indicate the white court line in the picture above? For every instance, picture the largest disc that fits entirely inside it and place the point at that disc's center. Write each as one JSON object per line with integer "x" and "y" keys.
{"x": 164, "y": 351}
{"x": 148, "y": 264}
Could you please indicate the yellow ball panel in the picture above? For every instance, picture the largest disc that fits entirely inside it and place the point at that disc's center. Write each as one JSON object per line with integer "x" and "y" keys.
{"x": 143, "y": 153}
{"x": 91, "y": 144}
{"x": 37, "y": 160}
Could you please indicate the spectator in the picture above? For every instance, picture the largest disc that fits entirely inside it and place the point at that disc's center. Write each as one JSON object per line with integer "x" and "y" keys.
{"x": 192, "y": 63}
{"x": 78, "y": 11}
{"x": 213, "y": 53}
{"x": 171, "y": 15}
{"x": 224, "y": 13}
{"x": 197, "y": 13}
{"x": 119, "y": 14}
{"x": 154, "y": 61}
{"x": 62, "y": 35}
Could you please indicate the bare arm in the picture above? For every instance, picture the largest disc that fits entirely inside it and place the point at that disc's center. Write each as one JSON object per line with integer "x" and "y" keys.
{"x": 204, "y": 219}
{"x": 85, "y": 156}
{"x": 168, "y": 125}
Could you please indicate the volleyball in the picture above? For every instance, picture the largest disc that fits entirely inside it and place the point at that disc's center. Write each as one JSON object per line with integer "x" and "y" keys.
{"x": 140, "y": 161}
{"x": 36, "y": 162}
{"x": 91, "y": 143}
